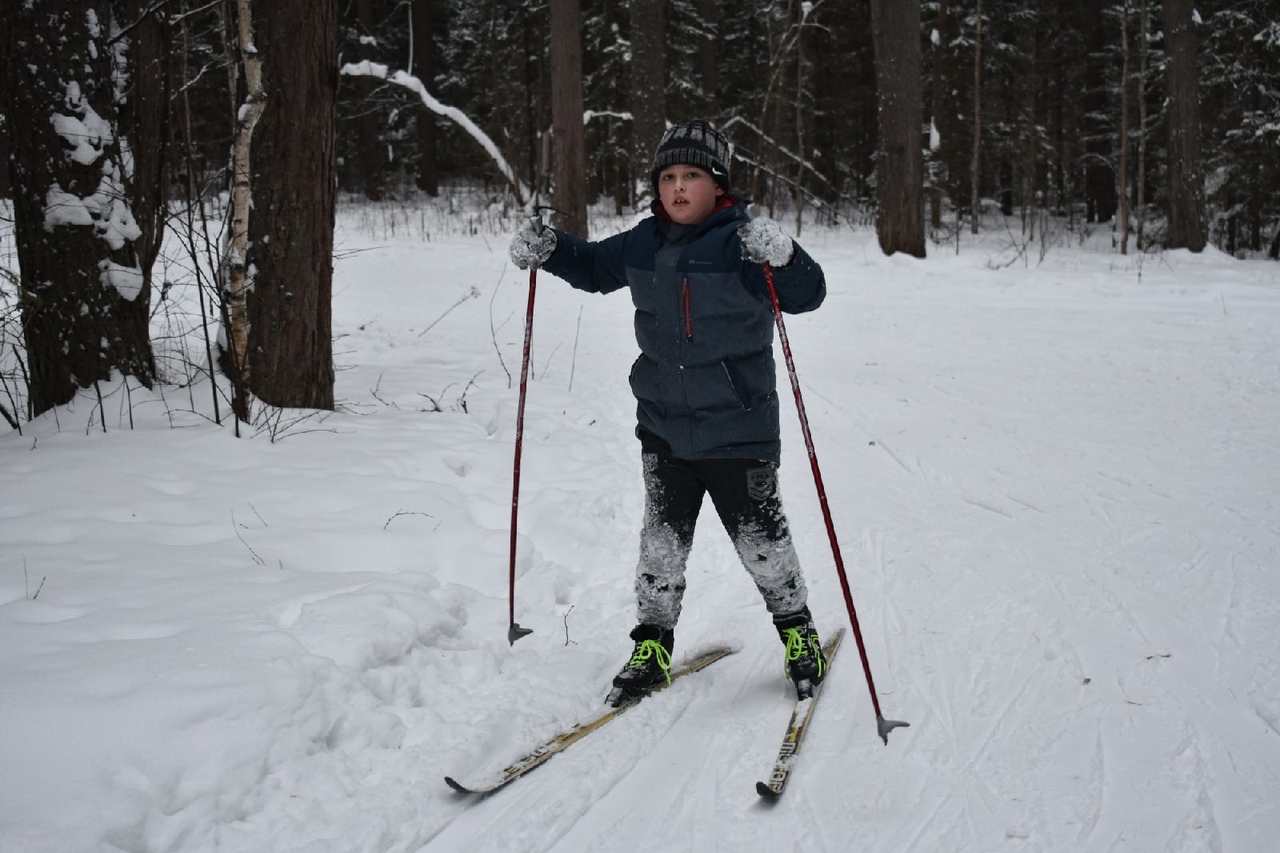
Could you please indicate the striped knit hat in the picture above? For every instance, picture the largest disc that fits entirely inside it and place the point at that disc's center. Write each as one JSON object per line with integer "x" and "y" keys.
{"x": 696, "y": 143}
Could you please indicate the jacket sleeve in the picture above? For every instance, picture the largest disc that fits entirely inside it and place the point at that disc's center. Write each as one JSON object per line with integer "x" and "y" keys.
{"x": 594, "y": 267}
{"x": 801, "y": 284}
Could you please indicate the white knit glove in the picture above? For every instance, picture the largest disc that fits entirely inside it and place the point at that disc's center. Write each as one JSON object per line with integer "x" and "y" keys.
{"x": 532, "y": 244}
{"x": 764, "y": 240}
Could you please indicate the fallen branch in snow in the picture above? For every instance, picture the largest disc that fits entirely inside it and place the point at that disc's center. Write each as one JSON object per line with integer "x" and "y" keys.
{"x": 473, "y": 293}
{"x": 567, "y": 641}
{"x": 413, "y": 84}
{"x": 27, "y": 582}
{"x": 406, "y": 512}
{"x": 461, "y": 404}
{"x": 374, "y": 391}
{"x": 253, "y": 553}
{"x": 493, "y": 332}
{"x": 573, "y": 363}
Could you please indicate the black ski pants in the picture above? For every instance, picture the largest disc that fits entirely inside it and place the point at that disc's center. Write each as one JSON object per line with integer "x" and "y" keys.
{"x": 745, "y": 495}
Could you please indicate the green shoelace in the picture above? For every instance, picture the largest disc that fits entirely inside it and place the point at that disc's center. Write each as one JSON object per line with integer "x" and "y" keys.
{"x": 798, "y": 646}
{"x": 652, "y": 649}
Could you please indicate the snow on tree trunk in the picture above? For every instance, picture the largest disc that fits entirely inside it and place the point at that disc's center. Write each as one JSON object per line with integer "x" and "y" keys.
{"x": 83, "y": 286}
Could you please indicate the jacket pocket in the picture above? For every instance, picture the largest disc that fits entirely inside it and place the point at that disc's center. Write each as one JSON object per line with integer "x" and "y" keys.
{"x": 736, "y": 388}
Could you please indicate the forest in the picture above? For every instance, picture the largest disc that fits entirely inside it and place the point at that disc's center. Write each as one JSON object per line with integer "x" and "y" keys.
{"x": 233, "y": 128}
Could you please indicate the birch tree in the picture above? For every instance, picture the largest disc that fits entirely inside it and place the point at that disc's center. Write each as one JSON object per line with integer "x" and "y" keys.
{"x": 235, "y": 303}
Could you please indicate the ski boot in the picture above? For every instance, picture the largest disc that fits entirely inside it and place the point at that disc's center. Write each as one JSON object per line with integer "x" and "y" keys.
{"x": 805, "y": 664}
{"x": 649, "y": 666}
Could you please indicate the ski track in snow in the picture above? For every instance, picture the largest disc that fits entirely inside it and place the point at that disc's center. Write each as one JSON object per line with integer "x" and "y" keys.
{"x": 1055, "y": 491}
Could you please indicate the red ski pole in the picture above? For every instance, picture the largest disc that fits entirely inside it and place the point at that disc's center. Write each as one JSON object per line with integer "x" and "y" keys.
{"x": 514, "y": 631}
{"x": 883, "y": 726}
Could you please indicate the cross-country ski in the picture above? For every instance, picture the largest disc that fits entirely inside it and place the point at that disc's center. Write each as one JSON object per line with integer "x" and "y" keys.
{"x": 564, "y": 740}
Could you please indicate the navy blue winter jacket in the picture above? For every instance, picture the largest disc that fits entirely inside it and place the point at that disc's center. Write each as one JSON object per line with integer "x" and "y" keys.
{"x": 705, "y": 381}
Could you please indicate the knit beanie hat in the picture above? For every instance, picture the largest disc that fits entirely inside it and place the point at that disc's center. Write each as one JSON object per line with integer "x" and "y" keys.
{"x": 696, "y": 143}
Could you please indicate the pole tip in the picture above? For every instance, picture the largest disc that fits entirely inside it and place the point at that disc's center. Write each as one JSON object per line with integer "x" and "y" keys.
{"x": 883, "y": 727}
{"x": 515, "y": 632}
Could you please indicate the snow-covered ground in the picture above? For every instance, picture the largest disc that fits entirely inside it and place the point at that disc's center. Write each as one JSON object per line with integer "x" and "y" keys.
{"x": 1056, "y": 486}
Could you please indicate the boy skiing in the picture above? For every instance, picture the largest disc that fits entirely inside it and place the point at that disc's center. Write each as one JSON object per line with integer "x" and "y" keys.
{"x": 705, "y": 387}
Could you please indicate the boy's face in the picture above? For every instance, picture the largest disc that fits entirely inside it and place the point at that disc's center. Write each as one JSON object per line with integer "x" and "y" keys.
{"x": 688, "y": 193}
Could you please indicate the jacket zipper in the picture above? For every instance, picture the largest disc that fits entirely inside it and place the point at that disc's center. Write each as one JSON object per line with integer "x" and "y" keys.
{"x": 688, "y": 310}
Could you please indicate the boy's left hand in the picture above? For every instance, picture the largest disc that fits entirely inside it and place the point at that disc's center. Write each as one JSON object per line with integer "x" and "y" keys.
{"x": 764, "y": 240}
{"x": 532, "y": 244}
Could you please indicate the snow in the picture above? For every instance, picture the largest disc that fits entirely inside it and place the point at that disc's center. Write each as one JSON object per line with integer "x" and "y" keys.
{"x": 127, "y": 280}
{"x": 1054, "y": 484}
{"x": 105, "y": 210}
{"x": 85, "y": 133}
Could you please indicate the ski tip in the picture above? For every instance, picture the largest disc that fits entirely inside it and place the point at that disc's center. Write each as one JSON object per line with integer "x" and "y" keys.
{"x": 765, "y": 791}
{"x": 457, "y": 786}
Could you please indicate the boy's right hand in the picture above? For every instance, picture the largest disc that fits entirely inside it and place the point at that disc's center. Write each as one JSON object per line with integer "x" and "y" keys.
{"x": 532, "y": 244}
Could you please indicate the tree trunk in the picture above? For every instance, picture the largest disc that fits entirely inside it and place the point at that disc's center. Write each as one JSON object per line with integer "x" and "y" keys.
{"x": 83, "y": 260}
{"x": 648, "y": 80}
{"x": 1099, "y": 175}
{"x": 895, "y": 27}
{"x": 291, "y": 229}
{"x": 4, "y": 134}
{"x": 708, "y": 66}
{"x": 570, "y": 196}
{"x": 975, "y": 156}
{"x": 1124, "y": 128}
{"x": 372, "y": 159}
{"x": 146, "y": 120}
{"x": 802, "y": 149}
{"x": 235, "y": 304}
{"x": 1144, "y": 61}
{"x": 1186, "y": 176}
{"x": 937, "y": 85}
{"x": 424, "y": 52}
